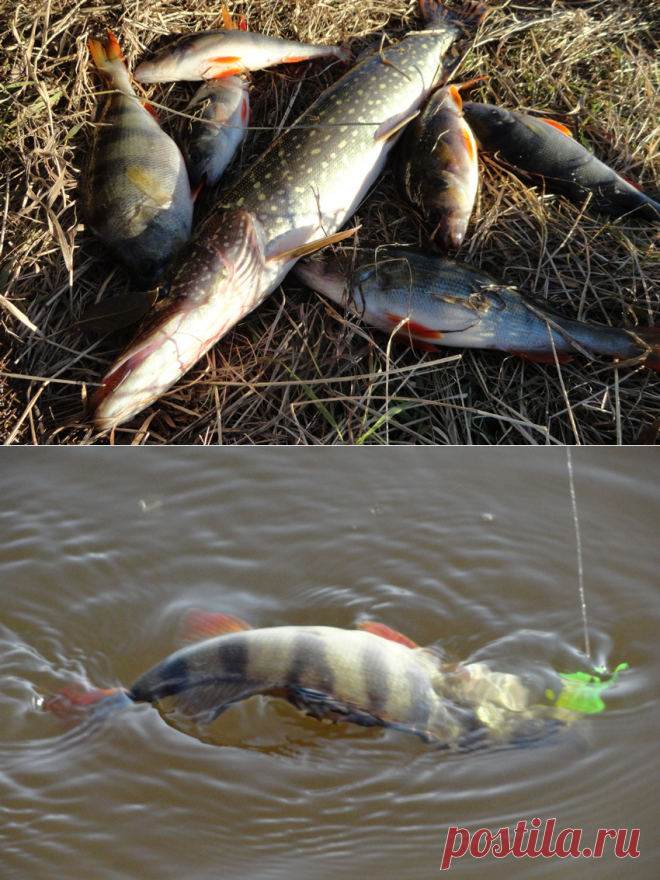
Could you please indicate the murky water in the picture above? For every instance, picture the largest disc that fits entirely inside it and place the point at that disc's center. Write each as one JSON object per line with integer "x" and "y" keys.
{"x": 102, "y": 552}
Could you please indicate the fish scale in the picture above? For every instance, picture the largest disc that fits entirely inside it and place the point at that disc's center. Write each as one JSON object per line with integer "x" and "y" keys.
{"x": 331, "y": 156}
{"x": 446, "y": 302}
{"x": 136, "y": 194}
{"x": 372, "y": 676}
{"x": 304, "y": 187}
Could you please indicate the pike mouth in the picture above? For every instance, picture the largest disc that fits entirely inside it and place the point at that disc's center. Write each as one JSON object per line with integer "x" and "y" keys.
{"x": 216, "y": 283}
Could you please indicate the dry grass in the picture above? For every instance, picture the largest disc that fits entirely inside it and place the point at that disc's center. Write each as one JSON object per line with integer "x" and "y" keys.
{"x": 297, "y": 371}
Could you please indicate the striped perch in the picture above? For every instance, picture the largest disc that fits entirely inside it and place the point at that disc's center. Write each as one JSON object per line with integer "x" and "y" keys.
{"x": 372, "y": 676}
{"x": 136, "y": 192}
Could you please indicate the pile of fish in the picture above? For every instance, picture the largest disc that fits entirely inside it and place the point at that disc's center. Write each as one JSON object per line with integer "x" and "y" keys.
{"x": 372, "y": 676}
{"x": 294, "y": 199}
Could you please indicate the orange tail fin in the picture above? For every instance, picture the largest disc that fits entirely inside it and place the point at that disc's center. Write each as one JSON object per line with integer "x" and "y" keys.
{"x": 105, "y": 49}
{"x": 72, "y": 704}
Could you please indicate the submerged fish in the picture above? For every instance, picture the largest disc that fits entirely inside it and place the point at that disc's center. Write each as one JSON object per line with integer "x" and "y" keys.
{"x": 302, "y": 189}
{"x": 437, "y": 168}
{"x": 545, "y": 148}
{"x": 136, "y": 192}
{"x": 373, "y": 676}
{"x": 217, "y": 53}
{"x": 428, "y": 301}
{"x": 215, "y": 137}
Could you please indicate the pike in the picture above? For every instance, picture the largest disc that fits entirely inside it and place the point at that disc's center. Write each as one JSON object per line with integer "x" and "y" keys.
{"x": 296, "y": 196}
{"x": 372, "y": 676}
{"x": 545, "y": 149}
{"x": 427, "y": 301}
{"x": 437, "y": 168}
{"x": 136, "y": 193}
{"x": 219, "y": 53}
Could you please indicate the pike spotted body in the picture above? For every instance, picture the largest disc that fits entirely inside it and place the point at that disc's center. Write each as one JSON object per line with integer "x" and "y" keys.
{"x": 303, "y": 189}
{"x": 437, "y": 168}
{"x": 545, "y": 149}
{"x": 428, "y": 301}
{"x": 136, "y": 192}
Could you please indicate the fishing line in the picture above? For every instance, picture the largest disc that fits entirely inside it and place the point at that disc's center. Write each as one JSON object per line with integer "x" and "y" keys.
{"x": 184, "y": 115}
{"x": 578, "y": 542}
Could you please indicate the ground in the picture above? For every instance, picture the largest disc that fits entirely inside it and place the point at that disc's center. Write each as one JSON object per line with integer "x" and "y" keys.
{"x": 298, "y": 370}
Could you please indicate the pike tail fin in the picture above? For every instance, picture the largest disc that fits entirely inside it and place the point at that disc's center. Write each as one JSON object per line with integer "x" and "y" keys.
{"x": 472, "y": 13}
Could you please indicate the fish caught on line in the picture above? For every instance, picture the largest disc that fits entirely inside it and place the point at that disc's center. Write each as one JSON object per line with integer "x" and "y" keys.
{"x": 546, "y": 149}
{"x": 429, "y": 301}
{"x": 136, "y": 192}
{"x": 372, "y": 677}
{"x": 303, "y": 189}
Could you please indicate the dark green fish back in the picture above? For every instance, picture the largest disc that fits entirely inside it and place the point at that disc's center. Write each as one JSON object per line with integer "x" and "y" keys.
{"x": 308, "y": 165}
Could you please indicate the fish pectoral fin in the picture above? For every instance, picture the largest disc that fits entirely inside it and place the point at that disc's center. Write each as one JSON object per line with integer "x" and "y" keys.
{"x": 116, "y": 312}
{"x": 389, "y": 128}
{"x": 413, "y": 328}
{"x": 414, "y": 343}
{"x": 311, "y": 246}
{"x": 315, "y": 703}
{"x": 385, "y": 632}
{"x": 542, "y": 357}
{"x": 562, "y": 128}
{"x": 151, "y": 109}
{"x": 147, "y": 182}
{"x": 199, "y": 625}
{"x": 632, "y": 183}
{"x": 225, "y": 59}
{"x": 230, "y": 71}
{"x": 323, "y": 706}
{"x": 453, "y": 91}
{"x": 206, "y": 701}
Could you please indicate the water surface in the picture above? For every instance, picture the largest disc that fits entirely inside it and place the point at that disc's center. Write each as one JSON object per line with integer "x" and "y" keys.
{"x": 102, "y": 551}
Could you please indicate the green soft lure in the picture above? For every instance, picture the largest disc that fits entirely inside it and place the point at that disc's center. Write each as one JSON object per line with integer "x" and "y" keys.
{"x": 581, "y": 691}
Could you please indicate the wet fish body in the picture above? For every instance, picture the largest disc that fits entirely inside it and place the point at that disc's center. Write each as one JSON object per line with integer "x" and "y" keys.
{"x": 217, "y": 134}
{"x": 368, "y": 680}
{"x": 304, "y": 187}
{"x": 372, "y": 677}
{"x": 437, "y": 167}
{"x": 218, "y": 53}
{"x": 136, "y": 192}
{"x": 430, "y": 301}
{"x": 545, "y": 149}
